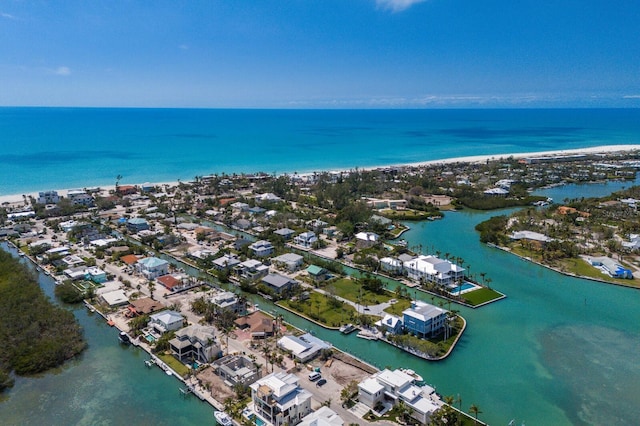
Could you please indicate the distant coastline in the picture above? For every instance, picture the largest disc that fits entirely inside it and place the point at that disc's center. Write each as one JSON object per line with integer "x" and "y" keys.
{"x": 604, "y": 149}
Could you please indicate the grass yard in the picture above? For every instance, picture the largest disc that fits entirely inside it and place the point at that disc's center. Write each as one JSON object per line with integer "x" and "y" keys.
{"x": 397, "y": 308}
{"x": 350, "y": 290}
{"x": 582, "y": 268}
{"x": 176, "y": 365}
{"x": 477, "y": 297}
{"x": 322, "y": 309}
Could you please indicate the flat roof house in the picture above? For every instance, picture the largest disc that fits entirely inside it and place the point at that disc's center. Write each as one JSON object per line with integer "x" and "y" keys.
{"x": 237, "y": 370}
{"x": 303, "y": 348}
{"x": 289, "y": 261}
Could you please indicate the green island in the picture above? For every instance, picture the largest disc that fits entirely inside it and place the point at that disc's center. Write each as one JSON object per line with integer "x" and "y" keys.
{"x": 37, "y": 335}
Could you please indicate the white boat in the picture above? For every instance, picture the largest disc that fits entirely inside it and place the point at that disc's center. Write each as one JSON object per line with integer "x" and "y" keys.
{"x": 150, "y": 362}
{"x": 369, "y": 335}
{"x": 416, "y": 376}
{"x": 347, "y": 328}
{"x": 222, "y": 418}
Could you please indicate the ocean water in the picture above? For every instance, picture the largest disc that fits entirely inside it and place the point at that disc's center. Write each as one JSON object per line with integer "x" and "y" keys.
{"x": 55, "y": 148}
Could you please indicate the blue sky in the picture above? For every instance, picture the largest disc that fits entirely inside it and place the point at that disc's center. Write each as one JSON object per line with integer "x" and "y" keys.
{"x": 320, "y": 53}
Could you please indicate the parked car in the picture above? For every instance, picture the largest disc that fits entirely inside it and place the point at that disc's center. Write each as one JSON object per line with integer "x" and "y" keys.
{"x": 313, "y": 376}
{"x": 321, "y": 382}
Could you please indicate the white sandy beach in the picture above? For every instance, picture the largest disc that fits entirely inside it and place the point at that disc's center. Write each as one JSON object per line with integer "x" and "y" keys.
{"x": 605, "y": 149}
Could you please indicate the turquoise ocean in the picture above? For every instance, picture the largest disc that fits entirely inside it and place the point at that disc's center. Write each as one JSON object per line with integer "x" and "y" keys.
{"x": 556, "y": 351}
{"x": 60, "y": 148}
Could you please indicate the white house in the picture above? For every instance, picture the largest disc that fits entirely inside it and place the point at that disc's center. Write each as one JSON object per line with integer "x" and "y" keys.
{"x": 166, "y": 321}
{"x": 262, "y": 248}
{"x": 391, "y": 265}
{"x": 433, "y": 269}
{"x": 303, "y": 348}
{"x": 305, "y": 239}
{"x": 195, "y": 342}
{"x": 277, "y": 399}
{"x": 323, "y": 416}
{"x": 389, "y": 387}
{"x": 289, "y": 261}
{"x": 366, "y": 239}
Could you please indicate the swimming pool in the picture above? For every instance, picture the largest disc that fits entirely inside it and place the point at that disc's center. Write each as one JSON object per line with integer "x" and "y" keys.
{"x": 150, "y": 338}
{"x": 461, "y": 288}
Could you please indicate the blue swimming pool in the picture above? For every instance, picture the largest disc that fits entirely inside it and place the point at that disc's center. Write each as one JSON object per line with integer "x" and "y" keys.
{"x": 461, "y": 288}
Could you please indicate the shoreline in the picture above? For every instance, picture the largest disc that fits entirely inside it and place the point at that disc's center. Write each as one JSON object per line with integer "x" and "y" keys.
{"x": 603, "y": 149}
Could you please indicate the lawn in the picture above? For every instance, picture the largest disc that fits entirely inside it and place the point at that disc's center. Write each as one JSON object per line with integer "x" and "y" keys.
{"x": 397, "y": 308}
{"x": 477, "y": 297}
{"x": 322, "y": 309}
{"x": 176, "y": 365}
{"x": 350, "y": 290}
{"x": 582, "y": 268}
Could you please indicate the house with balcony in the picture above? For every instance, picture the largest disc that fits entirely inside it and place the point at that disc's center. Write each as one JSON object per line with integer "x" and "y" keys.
{"x": 262, "y": 248}
{"x": 226, "y": 262}
{"x": 48, "y": 197}
{"x": 423, "y": 319}
{"x": 433, "y": 269}
{"x": 278, "y": 400}
{"x": 305, "y": 239}
{"x": 229, "y": 301}
{"x": 195, "y": 342}
{"x": 152, "y": 267}
{"x": 388, "y": 388}
{"x": 251, "y": 270}
{"x": 166, "y": 321}
{"x": 137, "y": 224}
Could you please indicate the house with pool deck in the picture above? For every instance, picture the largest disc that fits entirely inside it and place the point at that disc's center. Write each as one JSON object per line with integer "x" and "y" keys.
{"x": 278, "y": 400}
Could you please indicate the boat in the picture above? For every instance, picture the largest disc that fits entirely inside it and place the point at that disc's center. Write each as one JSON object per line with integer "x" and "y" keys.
{"x": 150, "y": 362}
{"x": 124, "y": 338}
{"x": 222, "y": 418}
{"x": 347, "y": 328}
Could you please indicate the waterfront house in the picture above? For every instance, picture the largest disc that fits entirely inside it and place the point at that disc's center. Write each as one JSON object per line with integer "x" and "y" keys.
{"x": 433, "y": 269}
{"x": 126, "y": 190}
{"x": 166, "y": 321}
{"x": 279, "y": 284}
{"x": 236, "y": 370}
{"x": 195, "y": 342}
{"x": 73, "y": 261}
{"x": 366, "y": 239}
{"x": 152, "y": 267}
{"x": 389, "y": 324}
{"x": 611, "y": 267}
{"x": 317, "y": 273}
{"x": 391, "y": 265}
{"x": 79, "y": 197}
{"x": 115, "y": 298}
{"x": 229, "y": 301}
{"x": 48, "y": 197}
{"x": 262, "y": 248}
{"x": 176, "y": 282}
{"x": 390, "y": 387}
{"x": 423, "y": 319}
{"x": 288, "y": 261}
{"x": 95, "y": 274}
{"x": 251, "y": 270}
{"x": 306, "y": 239}
{"x": 278, "y": 400}
{"x": 303, "y": 348}
{"x": 225, "y": 262}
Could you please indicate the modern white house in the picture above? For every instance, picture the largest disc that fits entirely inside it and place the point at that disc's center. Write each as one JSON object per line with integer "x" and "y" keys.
{"x": 433, "y": 269}
{"x": 166, "y": 321}
{"x": 366, "y": 239}
{"x": 389, "y": 387}
{"x": 288, "y": 261}
{"x": 305, "y": 239}
{"x": 152, "y": 267}
{"x": 391, "y": 265}
{"x": 48, "y": 197}
{"x": 237, "y": 370}
{"x": 226, "y": 262}
{"x": 278, "y": 400}
{"x": 423, "y": 319}
{"x": 227, "y": 300}
{"x": 262, "y": 248}
{"x": 251, "y": 270}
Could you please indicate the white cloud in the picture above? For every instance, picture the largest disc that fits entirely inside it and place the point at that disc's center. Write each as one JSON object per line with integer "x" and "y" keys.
{"x": 397, "y": 5}
{"x": 7, "y": 16}
{"x": 64, "y": 71}
{"x": 631, "y": 97}
{"x": 183, "y": 47}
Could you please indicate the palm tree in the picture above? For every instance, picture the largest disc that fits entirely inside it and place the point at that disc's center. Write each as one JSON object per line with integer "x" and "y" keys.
{"x": 475, "y": 410}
